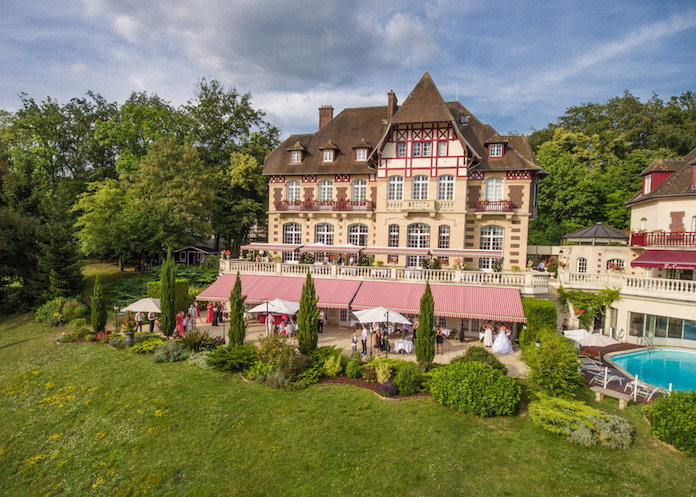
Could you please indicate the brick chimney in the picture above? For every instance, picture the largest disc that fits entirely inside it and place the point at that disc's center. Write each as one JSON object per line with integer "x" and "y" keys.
{"x": 325, "y": 115}
{"x": 391, "y": 105}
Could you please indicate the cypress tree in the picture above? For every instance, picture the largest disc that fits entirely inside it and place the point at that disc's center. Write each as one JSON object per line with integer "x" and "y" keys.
{"x": 99, "y": 313}
{"x": 168, "y": 295}
{"x": 308, "y": 318}
{"x": 237, "y": 331}
{"x": 425, "y": 336}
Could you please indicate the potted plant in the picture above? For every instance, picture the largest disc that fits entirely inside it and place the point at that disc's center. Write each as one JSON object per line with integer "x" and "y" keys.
{"x": 128, "y": 326}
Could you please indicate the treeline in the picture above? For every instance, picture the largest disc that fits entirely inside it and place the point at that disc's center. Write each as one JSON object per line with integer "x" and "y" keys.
{"x": 121, "y": 182}
{"x": 595, "y": 153}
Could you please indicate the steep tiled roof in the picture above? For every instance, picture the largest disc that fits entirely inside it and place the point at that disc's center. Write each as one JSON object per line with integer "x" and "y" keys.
{"x": 598, "y": 230}
{"x": 423, "y": 105}
{"x": 678, "y": 184}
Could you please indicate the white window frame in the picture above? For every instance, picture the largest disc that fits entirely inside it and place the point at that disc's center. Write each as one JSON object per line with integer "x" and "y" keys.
{"x": 393, "y": 238}
{"x": 427, "y": 149}
{"x": 293, "y": 191}
{"x": 401, "y": 150}
{"x": 292, "y": 234}
{"x": 420, "y": 188}
{"x": 644, "y": 223}
{"x": 443, "y": 237}
{"x": 328, "y": 155}
{"x": 494, "y": 189}
{"x": 324, "y": 233}
{"x": 357, "y": 234}
{"x": 616, "y": 262}
{"x": 358, "y": 190}
{"x": 492, "y": 238}
{"x": 581, "y": 265}
{"x": 693, "y": 224}
{"x": 395, "y": 188}
{"x": 445, "y": 187}
{"x": 416, "y": 148}
{"x": 360, "y": 154}
{"x": 295, "y": 156}
{"x": 442, "y": 148}
{"x": 417, "y": 236}
{"x": 495, "y": 150}
{"x": 325, "y": 190}
{"x": 647, "y": 184}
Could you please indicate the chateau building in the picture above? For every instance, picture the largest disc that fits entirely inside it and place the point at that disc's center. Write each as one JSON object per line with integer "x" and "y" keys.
{"x": 403, "y": 183}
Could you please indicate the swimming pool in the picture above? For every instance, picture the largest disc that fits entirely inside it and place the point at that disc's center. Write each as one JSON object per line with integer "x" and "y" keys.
{"x": 660, "y": 366}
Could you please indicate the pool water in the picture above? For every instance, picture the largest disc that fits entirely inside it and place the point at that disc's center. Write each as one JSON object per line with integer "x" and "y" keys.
{"x": 661, "y": 366}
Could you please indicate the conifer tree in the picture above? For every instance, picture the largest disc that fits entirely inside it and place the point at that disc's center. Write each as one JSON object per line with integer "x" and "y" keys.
{"x": 99, "y": 313}
{"x": 308, "y": 318}
{"x": 425, "y": 336}
{"x": 237, "y": 328}
{"x": 168, "y": 295}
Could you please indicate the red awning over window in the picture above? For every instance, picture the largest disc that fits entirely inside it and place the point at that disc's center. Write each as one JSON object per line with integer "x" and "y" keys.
{"x": 666, "y": 259}
{"x": 476, "y": 302}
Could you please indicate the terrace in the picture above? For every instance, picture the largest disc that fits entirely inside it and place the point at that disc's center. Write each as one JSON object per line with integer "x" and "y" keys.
{"x": 324, "y": 205}
{"x": 529, "y": 283}
{"x": 682, "y": 290}
{"x": 664, "y": 239}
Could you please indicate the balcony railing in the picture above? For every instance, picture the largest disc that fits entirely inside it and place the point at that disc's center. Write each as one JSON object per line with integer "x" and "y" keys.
{"x": 664, "y": 239}
{"x": 325, "y": 205}
{"x": 529, "y": 283}
{"x": 684, "y": 290}
{"x": 494, "y": 206}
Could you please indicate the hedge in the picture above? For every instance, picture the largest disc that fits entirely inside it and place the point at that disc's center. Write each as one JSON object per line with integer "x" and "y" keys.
{"x": 541, "y": 314}
{"x": 673, "y": 420}
{"x": 182, "y": 288}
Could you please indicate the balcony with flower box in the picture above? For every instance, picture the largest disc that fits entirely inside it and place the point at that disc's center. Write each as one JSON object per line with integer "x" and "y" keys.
{"x": 333, "y": 206}
{"x": 664, "y": 239}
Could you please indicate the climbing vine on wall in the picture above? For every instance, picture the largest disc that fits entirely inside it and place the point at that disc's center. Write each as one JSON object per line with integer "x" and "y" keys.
{"x": 587, "y": 305}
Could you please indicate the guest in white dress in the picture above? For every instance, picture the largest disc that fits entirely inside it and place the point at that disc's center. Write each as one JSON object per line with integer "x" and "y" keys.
{"x": 502, "y": 343}
{"x": 488, "y": 335}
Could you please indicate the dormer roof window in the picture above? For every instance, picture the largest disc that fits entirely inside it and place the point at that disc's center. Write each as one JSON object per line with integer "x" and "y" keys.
{"x": 328, "y": 151}
{"x": 647, "y": 184}
{"x": 296, "y": 152}
{"x": 328, "y": 156}
{"x": 495, "y": 150}
{"x": 362, "y": 150}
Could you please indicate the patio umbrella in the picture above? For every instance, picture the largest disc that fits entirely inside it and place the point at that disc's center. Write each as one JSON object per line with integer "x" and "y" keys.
{"x": 144, "y": 305}
{"x": 597, "y": 340}
{"x": 577, "y": 335}
{"x": 277, "y": 306}
{"x": 380, "y": 315}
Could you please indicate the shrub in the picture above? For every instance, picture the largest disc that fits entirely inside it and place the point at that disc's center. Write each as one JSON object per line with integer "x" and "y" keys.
{"x": 274, "y": 349}
{"x": 259, "y": 371}
{"x": 90, "y": 337}
{"x": 475, "y": 388}
{"x": 146, "y": 345}
{"x": 480, "y": 354}
{"x": 68, "y": 338}
{"x": 79, "y": 327}
{"x": 170, "y": 352}
{"x": 353, "y": 370}
{"x": 199, "y": 340}
{"x": 540, "y": 314}
{"x": 233, "y": 358}
{"x": 332, "y": 366}
{"x": 59, "y": 311}
{"x": 117, "y": 341}
{"x": 387, "y": 389}
{"x": 181, "y": 290}
{"x": 276, "y": 380}
{"x": 673, "y": 420}
{"x": 553, "y": 366}
{"x": 408, "y": 379}
{"x": 199, "y": 359}
{"x": 293, "y": 366}
{"x": 580, "y": 423}
{"x": 322, "y": 354}
{"x": 369, "y": 373}
{"x": 72, "y": 309}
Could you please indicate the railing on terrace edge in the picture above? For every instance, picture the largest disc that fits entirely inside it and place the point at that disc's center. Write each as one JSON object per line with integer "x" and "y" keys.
{"x": 662, "y": 239}
{"x": 632, "y": 285}
{"x": 494, "y": 206}
{"x": 531, "y": 283}
{"x": 325, "y": 205}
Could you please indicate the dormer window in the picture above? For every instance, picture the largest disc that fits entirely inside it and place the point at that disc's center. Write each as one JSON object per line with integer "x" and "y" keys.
{"x": 360, "y": 155}
{"x": 328, "y": 156}
{"x": 495, "y": 150}
{"x": 647, "y": 184}
{"x": 295, "y": 157}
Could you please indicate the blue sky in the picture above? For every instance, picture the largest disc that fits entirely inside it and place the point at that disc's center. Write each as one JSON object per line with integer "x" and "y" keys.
{"x": 515, "y": 65}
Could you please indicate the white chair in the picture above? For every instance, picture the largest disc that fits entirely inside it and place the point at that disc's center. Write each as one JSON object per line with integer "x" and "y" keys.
{"x": 604, "y": 378}
{"x": 642, "y": 389}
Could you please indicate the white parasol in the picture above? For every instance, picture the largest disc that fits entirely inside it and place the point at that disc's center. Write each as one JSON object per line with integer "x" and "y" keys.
{"x": 597, "y": 340}
{"x": 277, "y": 306}
{"x": 144, "y": 305}
{"x": 380, "y": 315}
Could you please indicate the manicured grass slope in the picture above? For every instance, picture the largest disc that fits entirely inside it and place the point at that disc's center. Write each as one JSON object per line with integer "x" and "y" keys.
{"x": 88, "y": 420}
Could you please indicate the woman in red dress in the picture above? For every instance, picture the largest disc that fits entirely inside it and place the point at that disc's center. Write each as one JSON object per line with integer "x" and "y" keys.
{"x": 209, "y": 317}
{"x": 180, "y": 323}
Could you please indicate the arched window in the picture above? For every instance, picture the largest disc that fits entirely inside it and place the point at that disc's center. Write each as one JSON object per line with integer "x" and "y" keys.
{"x": 418, "y": 236}
{"x": 644, "y": 223}
{"x": 445, "y": 188}
{"x": 393, "y": 241}
{"x": 324, "y": 233}
{"x": 420, "y": 188}
{"x": 357, "y": 234}
{"x": 292, "y": 191}
{"x": 359, "y": 190}
{"x": 395, "y": 188}
{"x": 292, "y": 233}
{"x": 325, "y": 191}
{"x": 582, "y": 265}
{"x": 615, "y": 264}
{"x": 492, "y": 238}
{"x": 494, "y": 189}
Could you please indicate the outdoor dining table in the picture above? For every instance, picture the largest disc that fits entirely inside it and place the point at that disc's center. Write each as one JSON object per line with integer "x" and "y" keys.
{"x": 405, "y": 345}
{"x": 446, "y": 331}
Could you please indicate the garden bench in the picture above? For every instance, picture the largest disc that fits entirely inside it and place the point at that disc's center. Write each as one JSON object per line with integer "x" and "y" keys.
{"x": 601, "y": 392}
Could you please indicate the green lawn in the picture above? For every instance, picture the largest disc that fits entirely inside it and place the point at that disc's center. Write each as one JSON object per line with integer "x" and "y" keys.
{"x": 89, "y": 420}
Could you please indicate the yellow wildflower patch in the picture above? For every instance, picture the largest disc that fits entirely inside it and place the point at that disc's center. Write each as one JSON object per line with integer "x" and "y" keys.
{"x": 161, "y": 412}
{"x": 55, "y": 437}
{"x": 99, "y": 435}
{"x": 35, "y": 459}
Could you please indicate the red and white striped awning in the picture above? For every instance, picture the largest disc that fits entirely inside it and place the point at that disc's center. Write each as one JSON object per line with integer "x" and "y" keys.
{"x": 333, "y": 249}
{"x": 285, "y": 247}
{"x": 334, "y": 294}
{"x": 496, "y": 254}
{"x": 490, "y": 303}
{"x": 396, "y": 251}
